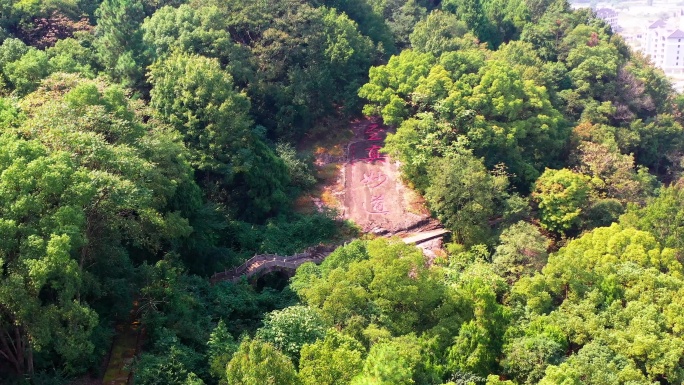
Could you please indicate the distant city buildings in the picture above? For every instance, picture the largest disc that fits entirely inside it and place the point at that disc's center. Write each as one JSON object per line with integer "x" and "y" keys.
{"x": 663, "y": 44}
{"x": 660, "y": 40}
{"x": 610, "y": 16}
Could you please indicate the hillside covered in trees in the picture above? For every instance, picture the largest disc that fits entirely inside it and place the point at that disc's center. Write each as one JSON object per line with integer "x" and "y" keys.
{"x": 147, "y": 144}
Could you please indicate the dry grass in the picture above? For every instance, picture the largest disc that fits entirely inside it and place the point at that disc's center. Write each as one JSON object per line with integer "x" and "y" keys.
{"x": 415, "y": 203}
{"x": 304, "y": 204}
{"x": 329, "y": 136}
{"x": 329, "y": 199}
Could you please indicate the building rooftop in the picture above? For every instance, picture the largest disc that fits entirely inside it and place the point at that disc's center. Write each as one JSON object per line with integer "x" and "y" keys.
{"x": 605, "y": 12}
{"x": 658, "y": 24}
{"x": 677, "y": 34}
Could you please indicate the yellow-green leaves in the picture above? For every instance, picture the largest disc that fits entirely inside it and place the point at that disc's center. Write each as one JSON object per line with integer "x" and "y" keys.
{"x": 562, "y": 194}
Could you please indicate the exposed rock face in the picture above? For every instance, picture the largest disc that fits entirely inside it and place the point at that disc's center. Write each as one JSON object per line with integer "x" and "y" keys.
{"x": 374, "y": 197}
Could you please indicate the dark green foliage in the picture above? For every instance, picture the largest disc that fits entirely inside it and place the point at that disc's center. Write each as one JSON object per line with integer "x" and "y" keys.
{"x": 267, "y": 46}
{"x": 522, "y": 252}
{"x": 464, "y": 100}
{"x": 298, "y": 168}
{"x": 662, "y": 217}
{"x": 285, "y": 235}
{"x": 203, "y": 31}
{"x": 82, "y": 191}
{"x": 194, "y": 95}
{"x": 473, "y": 14}
{"x": 221, "y": 347}
{"x": 147, "y": 144}
{"x": 464, "y": 196}
{"x": 441, "y": 32}
{"x": 242, "y": 308}
{"x": 119, "y": 40}
{"x": 370, "y": 19}
{"x": 168, "y": 362}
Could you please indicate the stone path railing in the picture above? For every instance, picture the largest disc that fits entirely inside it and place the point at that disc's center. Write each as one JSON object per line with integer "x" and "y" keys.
{"x": 266, "y": 263}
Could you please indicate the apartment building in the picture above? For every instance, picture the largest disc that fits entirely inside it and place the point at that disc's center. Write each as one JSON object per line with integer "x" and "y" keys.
{"x": 662, "y": 42}
{"x": 610, "y": 16}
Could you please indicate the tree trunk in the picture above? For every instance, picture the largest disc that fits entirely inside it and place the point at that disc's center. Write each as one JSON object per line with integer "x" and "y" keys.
{"x": 15, "y": 349}
{"x": 11, "y": 350}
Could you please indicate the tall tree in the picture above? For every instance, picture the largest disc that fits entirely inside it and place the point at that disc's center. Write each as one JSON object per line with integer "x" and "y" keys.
{"x": 562, "y": 195}
{"x": 197, "y": 97}
{"x": 78, "y": 191}
{"x": 119, "y": 39}
{"x": 334, "y": 360}
{"x": 258, "y": 362}
{"x": 464, "y": 196}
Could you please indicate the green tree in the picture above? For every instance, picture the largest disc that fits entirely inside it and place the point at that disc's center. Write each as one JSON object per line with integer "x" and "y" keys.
{"x": 662, "y": 216}
{"x": 196, "y": 96}
{"x": 170, "y": 362}
{"x": 613, "y": 174}
{"x": 199, "y": 99}
{"x": 370, "y": 18}
{"x": 522, "y": 251}
{"x": 527, "y": 358}
{"x": 596, "y": 364}
{"x": 201, "y": 31}
{"x": 440, "y": 32}
{"x": 71, "y": 56}
{"x": 486, "y": 105}
{"x": 474, "y": 15}
{"x": 464, "y": 196}
{"x": 403, "y": 21}
{"x": 78, "y": 192}
{"x": 658, "y": 141}
{"x": 561, "y": 195}
{"x": 291, "y": 328}
{"x": 119, "y": 39}
{"x": 258, "y": 362}
{"x": 294, "y": 85}
{"x": 389, "y": 86}
{"x": 479, "y": 340}
{"x": 333, "y": 360}
{"x": 221, "y": 347}
{"x": 25, "y": 73}
{"x": 387, "y": 283}
{"x": 384, "y": 366}
{"x": 599, "y": 292}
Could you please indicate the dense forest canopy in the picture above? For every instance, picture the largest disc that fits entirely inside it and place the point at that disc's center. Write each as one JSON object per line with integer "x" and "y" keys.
{"x": 145, "y": 145}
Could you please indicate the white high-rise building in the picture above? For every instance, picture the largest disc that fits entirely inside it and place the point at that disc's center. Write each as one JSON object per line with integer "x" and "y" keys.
{"x": 663, "y": 44}
{"x": 610, "y": 16}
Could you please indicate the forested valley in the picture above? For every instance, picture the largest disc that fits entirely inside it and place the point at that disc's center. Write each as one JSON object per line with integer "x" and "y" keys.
{"x": 148, "y": 144}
